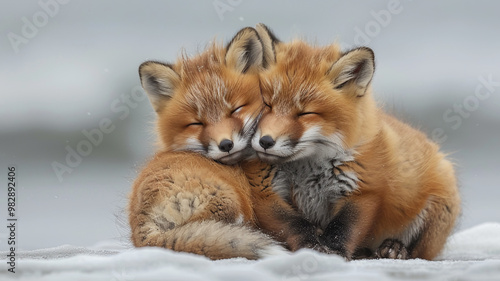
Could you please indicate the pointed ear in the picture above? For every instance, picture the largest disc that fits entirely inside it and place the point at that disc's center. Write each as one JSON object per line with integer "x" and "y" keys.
{"x": 269, "y": 40}
{"x": 244, "y": 52}
{"x": 354, "y": 68}
{"x": 159, "y": 81}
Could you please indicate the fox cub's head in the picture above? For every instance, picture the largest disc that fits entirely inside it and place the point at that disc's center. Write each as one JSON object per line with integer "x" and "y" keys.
{"x": 316, "y": 100}
{"x": 209, "y": 103}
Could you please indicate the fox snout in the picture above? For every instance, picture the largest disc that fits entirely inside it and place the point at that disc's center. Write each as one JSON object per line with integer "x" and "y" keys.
{"x": 266, "y": 142}
{"x": 226, "y": 145}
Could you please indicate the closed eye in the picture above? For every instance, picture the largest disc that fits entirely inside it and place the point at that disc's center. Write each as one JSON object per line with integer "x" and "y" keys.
{"x": 306, "y": 113}
{"x": 237, "y": 109}
{"x": 194, "y": 124}
{"x": 266, "y": 104}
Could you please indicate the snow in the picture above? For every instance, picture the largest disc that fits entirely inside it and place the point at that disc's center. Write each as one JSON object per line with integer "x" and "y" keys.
{"x": 472, "y": 254}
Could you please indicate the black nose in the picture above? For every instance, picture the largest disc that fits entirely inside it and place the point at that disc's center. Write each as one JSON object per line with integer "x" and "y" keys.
{"x": 266, "y": 142}
{"x": 226, "y": 145}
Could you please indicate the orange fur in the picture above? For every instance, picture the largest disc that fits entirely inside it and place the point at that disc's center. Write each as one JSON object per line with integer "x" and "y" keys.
{"x": 178, "y": 191}
{"x": 404, "y": 202}
{"x": 207, "y": 107}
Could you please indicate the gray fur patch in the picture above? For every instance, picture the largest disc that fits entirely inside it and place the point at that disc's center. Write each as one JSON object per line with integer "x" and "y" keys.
{"x": 315, "y": 184}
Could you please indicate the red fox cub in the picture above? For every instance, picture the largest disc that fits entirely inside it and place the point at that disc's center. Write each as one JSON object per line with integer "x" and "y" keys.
{"x": 208, "y": 107}
{"x": 183, "y": 200}
{"x": 372, "y": 184}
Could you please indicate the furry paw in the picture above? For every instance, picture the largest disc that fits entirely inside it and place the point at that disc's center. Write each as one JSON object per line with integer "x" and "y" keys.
{"x": 392, "y": 249}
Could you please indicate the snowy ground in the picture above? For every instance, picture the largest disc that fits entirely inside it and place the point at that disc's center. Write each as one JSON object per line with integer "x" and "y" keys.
{"x": 472, "y": 254}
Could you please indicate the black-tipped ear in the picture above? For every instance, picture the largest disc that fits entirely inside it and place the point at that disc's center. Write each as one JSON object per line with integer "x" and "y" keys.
{"x": 244, "y": 52}
{"x": 269, "y": 40}
{"x": 159, "y": 81}
{"x": 356, "y": 68}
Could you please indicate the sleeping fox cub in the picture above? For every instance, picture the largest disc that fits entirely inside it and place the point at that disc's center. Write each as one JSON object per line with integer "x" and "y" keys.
{"x": 183, "y": 200}
{"x": 372, "y": 184}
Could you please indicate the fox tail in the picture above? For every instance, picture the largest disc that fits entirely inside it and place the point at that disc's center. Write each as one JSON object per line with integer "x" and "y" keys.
{"x": 214, "y": 239}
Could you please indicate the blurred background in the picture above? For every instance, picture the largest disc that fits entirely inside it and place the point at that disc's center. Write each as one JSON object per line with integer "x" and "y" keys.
{"x": 77, "y": 127}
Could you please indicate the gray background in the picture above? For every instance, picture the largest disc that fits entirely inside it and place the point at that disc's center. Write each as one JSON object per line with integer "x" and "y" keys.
{"x": 82, "y": 60}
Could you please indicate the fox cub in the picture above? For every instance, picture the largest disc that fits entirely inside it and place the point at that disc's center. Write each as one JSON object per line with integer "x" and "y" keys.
{"x": 185, "y": 199}
{"x": 374, "y": 186}
{"x": 207, "y": 110}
